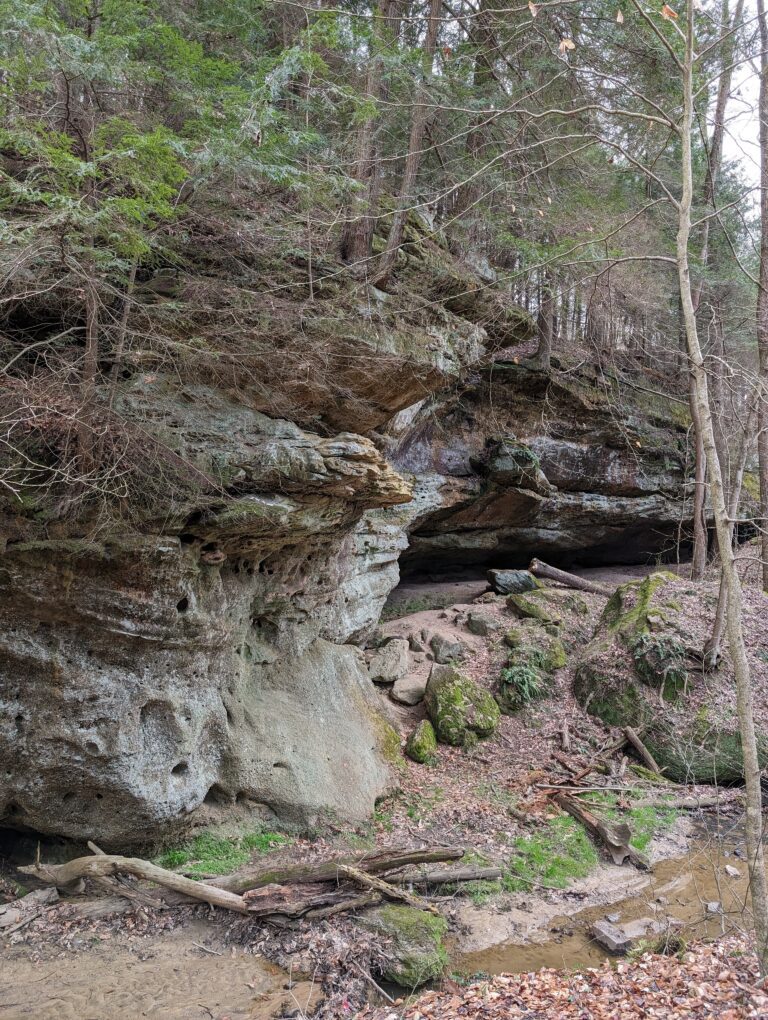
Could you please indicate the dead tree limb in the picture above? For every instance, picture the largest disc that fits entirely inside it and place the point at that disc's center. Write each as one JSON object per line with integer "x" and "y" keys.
{"x": 539, "y": 569}
{"x": 691, "y": 803}
{"x": 328, "y": 871}
{"x": 642, "y": 750}
{"x": 107, "y": 865}
{"x": 616, "y": 838}
{"x": 390, "y": 891}
{"x": 450, "y": 877}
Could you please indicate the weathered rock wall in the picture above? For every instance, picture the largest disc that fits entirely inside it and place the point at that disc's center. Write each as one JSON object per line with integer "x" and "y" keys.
{"x": 148, "y": 680}
{"x": 523, "y": 463}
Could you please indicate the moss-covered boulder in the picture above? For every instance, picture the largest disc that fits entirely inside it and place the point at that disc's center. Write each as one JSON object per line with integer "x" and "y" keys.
{"x": 460, "y": 710}
{"x": 417, "y": 951}
{"x": 422, "y": 744}
{"x": 635, "y": 673}
{"x": 534, "y": 657}
{"x": 540, "y": 605}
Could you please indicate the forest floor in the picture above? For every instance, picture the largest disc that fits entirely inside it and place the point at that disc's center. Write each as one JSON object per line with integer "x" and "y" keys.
{"x": 707, "y": 981}
{"x": 493, "y": 801}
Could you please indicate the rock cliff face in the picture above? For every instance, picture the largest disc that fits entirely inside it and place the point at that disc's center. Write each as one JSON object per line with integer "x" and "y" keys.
{"x": 201, "y": 660}
{"x": 148, "y": 679}
{"x": 523, "y": 463}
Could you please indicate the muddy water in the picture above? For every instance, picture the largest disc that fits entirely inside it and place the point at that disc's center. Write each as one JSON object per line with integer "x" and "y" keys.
{"x": 678, "y": 890}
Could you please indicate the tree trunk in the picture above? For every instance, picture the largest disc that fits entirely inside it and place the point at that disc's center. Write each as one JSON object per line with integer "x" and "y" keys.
{"x": 545, "y": 324}
{"x": 714, "y": 161}
{"x": 762, "y": 293}
{"x": 712, "y": 649}
{"x": 700, "y": 394}
{"x": 357, "y": 235}
{"x": 415, "y": 143}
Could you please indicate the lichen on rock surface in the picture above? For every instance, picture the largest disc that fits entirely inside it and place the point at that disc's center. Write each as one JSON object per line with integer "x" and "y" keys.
{"x": 461, "y": 710}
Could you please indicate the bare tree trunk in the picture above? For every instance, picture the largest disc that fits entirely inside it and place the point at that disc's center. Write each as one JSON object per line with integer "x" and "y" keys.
{"x": 762, "y": 293}
{"x": 699, "y": 561}
{"x": 714, "y": 161}
{"x": 357, "y": 235}
{"x": 712, "y": 649}
{"x": 89, "y": 377}
{"x": 545, "y": 323}
{"x": 753, "y": 826}
{"x": 415, "y": 143}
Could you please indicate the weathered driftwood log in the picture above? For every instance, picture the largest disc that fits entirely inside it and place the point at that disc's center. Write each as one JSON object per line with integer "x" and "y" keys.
{"x": 692, "y": 803}
{"x": 328, "y": 871}
{"x": 448, "y": 877}
{"x": 616, "y": 838}
{"x": 391, "y": 892}
{"x": 642, "y": 750}
{"x": 539, "y": 569}
{"x": 107, "y": 865}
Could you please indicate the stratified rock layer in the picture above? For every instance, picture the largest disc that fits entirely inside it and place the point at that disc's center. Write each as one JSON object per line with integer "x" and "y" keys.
{"x": 524, "y": 463}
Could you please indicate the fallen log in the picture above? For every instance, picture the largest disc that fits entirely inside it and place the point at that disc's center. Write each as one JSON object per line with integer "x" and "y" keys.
{"x": 539, "y": 569}
{"x": 294, "y": 901}
{"x": 616, "y": 838}
{"x": 108, "y": 865}
{"x": 642, "y": 750}
{"x": 451, "y": 877}
{"x": 691, "y": 803}
{"x": 391, "y": 892}
{"x": 328, "y": 871}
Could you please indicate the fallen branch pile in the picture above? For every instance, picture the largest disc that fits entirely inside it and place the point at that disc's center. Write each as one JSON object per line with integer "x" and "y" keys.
{"x": 280, "y": 895}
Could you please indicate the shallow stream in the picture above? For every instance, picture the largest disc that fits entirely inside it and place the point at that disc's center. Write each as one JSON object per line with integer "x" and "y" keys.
{"x": 676, "y": 892}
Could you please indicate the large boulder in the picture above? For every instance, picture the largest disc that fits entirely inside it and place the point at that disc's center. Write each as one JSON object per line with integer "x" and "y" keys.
{"x": 460, "y": 710}
{"x": 635, "y": 673}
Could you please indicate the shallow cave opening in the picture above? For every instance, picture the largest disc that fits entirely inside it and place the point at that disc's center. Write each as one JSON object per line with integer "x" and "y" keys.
{"x": 425, "y": 561}
{"x": 19, "y": 845}
{"x": 434, "y": 577}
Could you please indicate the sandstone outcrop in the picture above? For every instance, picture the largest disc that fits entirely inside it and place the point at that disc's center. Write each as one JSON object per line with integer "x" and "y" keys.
{"x": 636, "y": 672}
{"x": 525, "y": 463}
{"x": 150, "y": 680}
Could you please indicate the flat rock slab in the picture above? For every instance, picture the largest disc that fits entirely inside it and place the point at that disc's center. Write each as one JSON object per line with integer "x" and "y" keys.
{"x": 619, "y": 939}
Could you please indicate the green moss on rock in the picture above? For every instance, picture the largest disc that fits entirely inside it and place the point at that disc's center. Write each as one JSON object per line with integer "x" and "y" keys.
{"x": 417, "y": 952}
{"x": 460, "y": 710}
{"x": 534, "y": 605}
{"x": 628, "y": 608}
{"x": 534, "y": 657}
{"x": 422, "y": 744}
{"x": 633, "y": 673}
